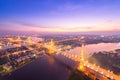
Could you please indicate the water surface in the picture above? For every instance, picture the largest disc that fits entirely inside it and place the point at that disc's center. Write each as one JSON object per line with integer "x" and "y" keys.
{"x": 44, "y": 68}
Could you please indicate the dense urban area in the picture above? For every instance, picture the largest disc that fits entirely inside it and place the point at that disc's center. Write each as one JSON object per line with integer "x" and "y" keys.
{"x": 18, "y": 51}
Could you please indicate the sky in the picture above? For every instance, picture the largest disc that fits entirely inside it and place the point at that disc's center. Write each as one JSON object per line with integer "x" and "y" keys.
{"x": 59, "y": 16}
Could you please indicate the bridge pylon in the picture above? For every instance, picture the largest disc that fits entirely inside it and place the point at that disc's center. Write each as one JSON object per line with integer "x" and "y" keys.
{"x": 51, "y": 47}
{"x": 29, "y": 40}
{"x": 82, "y": 56}
{"x": 18, "y": 39}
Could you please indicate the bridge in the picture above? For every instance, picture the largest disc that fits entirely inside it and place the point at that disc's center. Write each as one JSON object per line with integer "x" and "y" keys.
{"x": 93, "y": 71}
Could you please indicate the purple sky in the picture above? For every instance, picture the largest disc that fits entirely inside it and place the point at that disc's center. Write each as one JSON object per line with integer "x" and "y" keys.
{"x": 59, "y": 15}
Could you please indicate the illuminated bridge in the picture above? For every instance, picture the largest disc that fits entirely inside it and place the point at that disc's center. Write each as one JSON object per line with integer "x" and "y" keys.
{"x": 91, "y": 70}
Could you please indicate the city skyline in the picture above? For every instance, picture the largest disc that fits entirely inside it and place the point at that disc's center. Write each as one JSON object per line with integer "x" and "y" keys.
{"x": 60, "y": 16}
{"x": 59, "y": 39}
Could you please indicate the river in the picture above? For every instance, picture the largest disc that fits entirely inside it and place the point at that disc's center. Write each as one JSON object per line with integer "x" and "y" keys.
{"x": 44, "y": 68}
{"x": 91, "y": 48}
{"x": 47, "y": 68}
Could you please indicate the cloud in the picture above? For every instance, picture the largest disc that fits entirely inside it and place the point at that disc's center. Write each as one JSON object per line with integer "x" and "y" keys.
{"x": 28, "y": 24}
{"x": 56, "y": 28}
{"x": 4, "y": 26}
{"x": 69, "y": 7}
{"x": 74, "y": 29}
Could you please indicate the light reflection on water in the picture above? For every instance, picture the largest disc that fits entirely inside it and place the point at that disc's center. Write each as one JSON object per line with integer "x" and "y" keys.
{"x": 91, "y": 48}
{"x": 51, "y": 60}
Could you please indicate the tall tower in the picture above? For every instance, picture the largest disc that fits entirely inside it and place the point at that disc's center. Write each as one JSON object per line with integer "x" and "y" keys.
{"x": 29, "y": 40}
{"x": 82, "y": 52}
{"x": 82, "y": 56}
{"x": 18, "y": 39}
{"x": 52, "y": 44}
{"x": 51, "y": 47}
